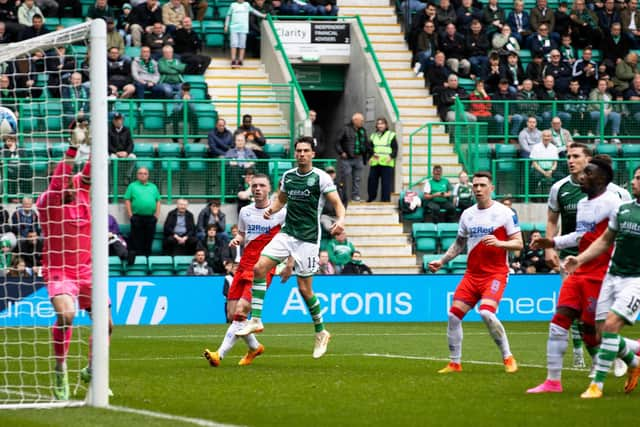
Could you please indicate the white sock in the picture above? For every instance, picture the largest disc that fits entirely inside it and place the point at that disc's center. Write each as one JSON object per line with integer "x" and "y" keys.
{"x": 454, "y": 335}
{"x": 252, "y": 341}
{"x": 633, "y": 345}
{"x": 497, "y": 332}
{"x": 556, "y": 347}
{"x": 230, "y": 338}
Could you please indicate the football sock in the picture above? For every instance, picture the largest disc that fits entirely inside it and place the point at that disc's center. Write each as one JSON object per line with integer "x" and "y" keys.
{"x": 252, "y": 341}
{"x": 609, "y": 347}
{"x": 626, "y": 353}
{"x": 497, "y": 331}
{"x": 258, "y": 290}
{"x": 576, "y": 338}
{"x": 230, "y": 338}
{"x": 314, "y": 308}
{"x": 61, "y": 341}
{"x": 633, "y": 345}
{"x": 454, "y": 335}
{"x": 556, "y": 347}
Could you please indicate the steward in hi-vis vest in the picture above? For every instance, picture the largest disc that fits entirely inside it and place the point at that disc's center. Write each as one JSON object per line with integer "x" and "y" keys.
{"x": 385, "y": 150}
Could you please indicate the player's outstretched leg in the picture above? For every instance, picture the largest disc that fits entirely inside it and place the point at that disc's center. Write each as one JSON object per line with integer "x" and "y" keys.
{"x": 454, "y": 337}
{"x": 322, "y": 335}
{"x": 576, "y": 340}
{"x": 496, "y": 329}
{"x": 557, "y": 344}
{"x": 254, "y": 325}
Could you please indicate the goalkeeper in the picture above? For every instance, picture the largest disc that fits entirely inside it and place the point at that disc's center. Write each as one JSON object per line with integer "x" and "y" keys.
{"x": 65, "y": 216}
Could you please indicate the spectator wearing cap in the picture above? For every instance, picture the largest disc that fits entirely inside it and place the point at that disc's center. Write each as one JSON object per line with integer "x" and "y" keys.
{"x": 143, "y": 16}
{"x": 100, "y": 9}
{"x": 123, "y": 23}
{"x": 119, "y": 74}
{"x": 173, "y": 12}
{"x": 188, "y": 44}
{"x": 114, "y": 38}
{"x": 120, "y": 141}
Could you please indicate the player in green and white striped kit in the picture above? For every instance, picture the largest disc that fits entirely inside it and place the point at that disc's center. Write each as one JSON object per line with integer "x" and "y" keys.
{"x": 303, "y": 190}
{"x": 619, "y": 299}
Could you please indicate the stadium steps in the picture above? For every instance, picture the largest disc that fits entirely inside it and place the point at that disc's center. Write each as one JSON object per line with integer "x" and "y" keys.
{"x": 376, "y": 231}
{"x": 223, "y": 81}
{"x": 413, "y": 99}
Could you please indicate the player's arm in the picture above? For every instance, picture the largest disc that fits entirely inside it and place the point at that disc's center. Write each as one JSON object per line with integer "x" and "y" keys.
{"x": 237, "y": 240}
{"x": 453, "y": 251}
{"x": 513, "y": 243}
{"x": 63, "y": 170}
{"x": 276, "y": 205}
{"x": 594, "y": 250}
{"x": 85, "y": 175}
{"x": 334, "y": 199}
{"x": 550, "y": 255}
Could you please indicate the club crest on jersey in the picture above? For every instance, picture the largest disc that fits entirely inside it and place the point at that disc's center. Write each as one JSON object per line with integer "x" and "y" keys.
{"x": 311, "y": 180}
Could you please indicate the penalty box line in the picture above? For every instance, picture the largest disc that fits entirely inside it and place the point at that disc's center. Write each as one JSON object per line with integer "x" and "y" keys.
{"x": 170, "y": 417}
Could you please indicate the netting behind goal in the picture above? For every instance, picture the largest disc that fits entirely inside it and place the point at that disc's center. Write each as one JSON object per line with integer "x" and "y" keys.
{"x": 45, "y": 89}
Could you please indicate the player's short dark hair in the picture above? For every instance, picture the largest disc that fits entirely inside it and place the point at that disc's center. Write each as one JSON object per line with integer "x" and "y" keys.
{"x": 603, "y": 162}
{"x": 262, "y": 175}
{"x": 483, "y": 174}
{"x": 305, "y": 140}
{"x": 585, "y": 148}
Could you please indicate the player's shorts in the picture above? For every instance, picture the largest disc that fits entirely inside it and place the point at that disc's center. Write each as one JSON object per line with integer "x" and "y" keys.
{"x": 75, "y": 283}
{"x": 242, "y": 282}
{"x": 305, "y": 254}
{"x": 620, "y": 295}
{"x": 580, "y": 292}
{"x": 475, "y": 288}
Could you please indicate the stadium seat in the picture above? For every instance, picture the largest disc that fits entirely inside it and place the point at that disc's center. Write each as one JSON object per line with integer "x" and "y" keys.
{"x": 125, "y": 229}
{"x": 506, "y": 151}
{"x": 132, "y": 51}
{"x": 447, "y": 232}
{"x": 458, "y": 265}
{"x": 115, "y": 266}
{"x": 153, "y": 115}
{"x": 277, "y": 168}
{"x": 484, "y": 157}
{"x": 138, "y": 268}
{"x": 181, "y": 263}
{"x": 610, "y": 150}
{"x": 161, "y": 265}
{"x": 52, "y": 110}
{"x": 206, "y": 115}
{"x": 70, "y": 22}
{"x": 425, "y": 236}
{"x": 144, "y": 150}
{"x": 275, "y": 150}
{"x": 417, "y": 215}
{"x": 30, "y": 116}
{"x": 129, "y": 111}
{"x": 213, "y": 32}
{"x": 631, "y": 154}
{"x": 159, "y": 234}
{"x": 156, "y": 247}
{"x": 196, "y": 171}
{"x": 169, "y": 151}
{"x": 426, "y": 259}
{"x": 40, "y": 153}
{"x": 58, "y": 149}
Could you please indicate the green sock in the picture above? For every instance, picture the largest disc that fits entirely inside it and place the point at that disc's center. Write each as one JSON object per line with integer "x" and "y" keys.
{"x": 258, "y": 290}
{"x": 576, "y": 338}
{"x": 314, "y": 308}
{"x": 609, "y": 348}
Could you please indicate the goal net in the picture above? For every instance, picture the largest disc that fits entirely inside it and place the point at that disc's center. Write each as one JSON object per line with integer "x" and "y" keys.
{"x": 53, "y": 96}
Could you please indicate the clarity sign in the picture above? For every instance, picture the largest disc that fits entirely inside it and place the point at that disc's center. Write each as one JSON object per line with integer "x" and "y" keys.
{"x": 314, "y": 38}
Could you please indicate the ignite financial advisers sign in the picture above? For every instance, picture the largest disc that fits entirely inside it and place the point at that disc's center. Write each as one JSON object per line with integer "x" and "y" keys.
{"x": 314, "y": 38}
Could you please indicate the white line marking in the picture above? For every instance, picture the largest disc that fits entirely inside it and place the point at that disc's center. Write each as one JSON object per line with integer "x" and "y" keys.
{"x": 407, "y": 334}
{"x": 161, "y": 415}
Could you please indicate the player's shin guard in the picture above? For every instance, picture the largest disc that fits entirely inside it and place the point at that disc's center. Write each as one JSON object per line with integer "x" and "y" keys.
{"x": 258, "y": 291}
{"x": 556, "y": 347}
{"x": 626, "y": 352}
{"x": 61, "y": 340}
{"x": 609, "y": 348}
{"x": 454, "y": 334}
{"x": 496, "y": 329}
{"x": 314, "y": 309}
{"x": 632, "y": 345}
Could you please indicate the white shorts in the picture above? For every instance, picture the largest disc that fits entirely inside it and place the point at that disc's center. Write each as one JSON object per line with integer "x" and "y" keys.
{"x": 620, "y": 295}
{"x": 305, "y": 254}
{"x": 238, "y": 40}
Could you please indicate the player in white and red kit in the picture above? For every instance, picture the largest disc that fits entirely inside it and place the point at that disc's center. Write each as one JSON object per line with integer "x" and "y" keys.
{"x": 490, "y": 230}
{"x": 579, "y": 292}
{"x": 65, "y": 216}
{"x": 254, "y": 231}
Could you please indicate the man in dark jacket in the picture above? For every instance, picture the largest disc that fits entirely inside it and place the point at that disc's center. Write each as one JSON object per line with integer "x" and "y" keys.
{"x": 211, "y": 214}
{"x": 188, "y": 45}
{"x": 353, "y": 153}
{"x": 143, "y": 16}
{"x": 356, "y": 266}
{"x": 120, "y": 141}
{"x": 220, "y": 139}
{"x": 180, "y": 231}
{"x": 119, "y": 74}
{"x": 445, "y": 99}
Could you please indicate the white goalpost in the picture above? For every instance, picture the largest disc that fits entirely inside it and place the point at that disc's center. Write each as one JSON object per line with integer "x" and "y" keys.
{"x": 42, "y": 136}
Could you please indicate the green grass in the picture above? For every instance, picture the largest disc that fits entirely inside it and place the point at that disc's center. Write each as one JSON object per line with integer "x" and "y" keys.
{"x": 160, "y": 369}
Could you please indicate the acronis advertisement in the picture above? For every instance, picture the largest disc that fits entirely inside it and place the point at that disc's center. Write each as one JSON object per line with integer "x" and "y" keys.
{"x": 157, "y": 300}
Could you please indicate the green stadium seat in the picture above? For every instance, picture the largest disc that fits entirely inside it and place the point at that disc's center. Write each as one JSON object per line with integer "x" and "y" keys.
{"x": 458, "y": 265}
{"x": 484, "y": 157}
{"x": 213, "y": 33}
{"x": 138, "y": 268}
{"x": 206, "y": 115}
{"x": 506, "y": 151}
{"x": 146, "y": 151}
{"x": 610, "y": 150}
{"x": 275, "y": 150}
{"x": 153, "y": 115}
{"x": 70, "y": 22}
{"x": 417, "y": 215}
{"x": 115, "y": 266}
{"x": 632, "y": 153}
{"x": 447, "y": 233}
{"x": 181, "y": 263}
{"x": 277, "y": 168}
{"x": 132, "y": 51}
{"x": 525, "y": 57}
{"x": 157, "y": 247}
{"x": 169, "y": 151}
{"x": 161, "y": 265}
{"x": 196, "y": 151}
{"x": 468, "y": 84}
{"x": 40, "y": 153}
{"x": 58, "y": 149}
{"x": 426, "y": 259}
{"x": 159, "y": 234}
{"x": 125, "y": 229}
{"x": 52, "y": 110}
{"x": 31, "y": 118}
{"x": 425, "y": 236}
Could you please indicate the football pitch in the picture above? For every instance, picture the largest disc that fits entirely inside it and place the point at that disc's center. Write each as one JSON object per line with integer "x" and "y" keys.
{"x": 375, "y": 374}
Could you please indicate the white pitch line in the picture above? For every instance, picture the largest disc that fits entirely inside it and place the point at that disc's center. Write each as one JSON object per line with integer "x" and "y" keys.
{"x": 162, "y": 415}
{"x": 406, "y": 334}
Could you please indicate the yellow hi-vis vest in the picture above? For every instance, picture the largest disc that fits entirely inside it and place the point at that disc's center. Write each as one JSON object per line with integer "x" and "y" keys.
{"x": 382, "y": 147}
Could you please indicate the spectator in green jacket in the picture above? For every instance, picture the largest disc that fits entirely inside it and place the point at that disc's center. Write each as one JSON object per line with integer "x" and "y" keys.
{"x": 171, "y": 70}
{"x": 340, "y": 251}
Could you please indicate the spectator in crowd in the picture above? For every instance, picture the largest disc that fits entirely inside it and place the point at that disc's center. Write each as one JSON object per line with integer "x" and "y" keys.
{"x": 7, "y": 242}
{"x": 81, "y": 138}
{"x": 548, "y": 93}
{"x": 529, "y": 137}
{"x": 328, "y": 214}
{"x": 142, "y": 18}
{"x": 114, "y": 38}
{"x": 508, "y": 202}
{"x": 480, "y": 106}
{"x": 561, "y": 137}
{"x": 30, "y": 249}
{"x": 425, "y": 49}
{"x": 542, "y": 15}
{"x": 504, "y": 43}
{"x": 157, "y": 39}
{"x": 340, "y": 250}
{"x": 211, "y": 214}
{"x": 245, "y": 196}
{"x": 180, "y": 230}
{"x": 562, "y": 22}
{"x": 323, "y": 149}
{"x": 321, "y": 8}
{"x": 505, "y": 98}
{"x": 534, "y": 71}
{"x": 533, "y": 259}
{"x": 9, "y": 16}
{"x": 5, "y": 35}
{"x": 217, "y": 250}
{"x": 437, "y": 197}
{"x": 188, "y": 45}
{"x": 576, "y": 107}
{"x": 467, "y": 13}
{"x": 196, "y": 8}
{"x": 120, "y": 140}
{"x": 493, "y": 18}
{"x": 5, "y": 224}
{"x": 124, "y": 21}
{"x": 356, "y": 266}
{"x": 445, "y": 99}
{"x": 253, "y": 37}
{"x": 220, "y": 139}
{"x": 253, "y": 136}
{"x": 567, "y": 51}
{"x": 190, "y": 120}
{"x": 541, "y": 42}
{"x": 25, "y": 219}
{"x": 171, "y": 70}
{"x": 240, "y": 152}
{"x": 58, "y": 66}
{"x": 76, "y": 98}
{"x": 585, "y": 70}
{"x": 438, "y": 73}
{"x": 36, "y": 28}
{"x": 560, "y": 71}
{"x": 18, "y": 269}
{"x": 119, "y": 74}
{"x": 513, "y": 72}
{"x": 452, "y": 45}
{"x": 476, "y": 47}
{"x": 519, "y": 22}
{"x": 382, "y": 162}
{"x": 625, "y": 70}
{"x": 353, "y": 153}
{"x": 142, "y": 204}
{"x": 633, "y": 94}
{"x": 428, "y": 14}
{"x": 527, "y": 96}
{"x": 173, "y": 12}
{"x": 145, "y": 73}
{"x": 230, "y": 269}
{"x": 100, "y": 9}
{"x": 604, "y": 110}
{"x": 26, "y": 12}
{"x": 492, "y": 73}
{"x": 237, "y": 25}
{"x": 117, "y": 243}
{"x": 325, "y": 267}
{"x": 630, "y": 21}
{"x": 584, "y": 26}
{"x": 607, "y": 16}
{"x": 199, "y": 266}
{"x": 463, "y": 192}
{"x": 614, "y": 48}
{"x": 544, "y": 164}
{"x": 10, "y": 155}
{"x": 445, "y": 15}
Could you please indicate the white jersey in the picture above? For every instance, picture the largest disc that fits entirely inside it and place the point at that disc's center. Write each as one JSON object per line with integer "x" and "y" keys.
{"x": 251, "y": 222}
{"x": 619, "y": 191}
